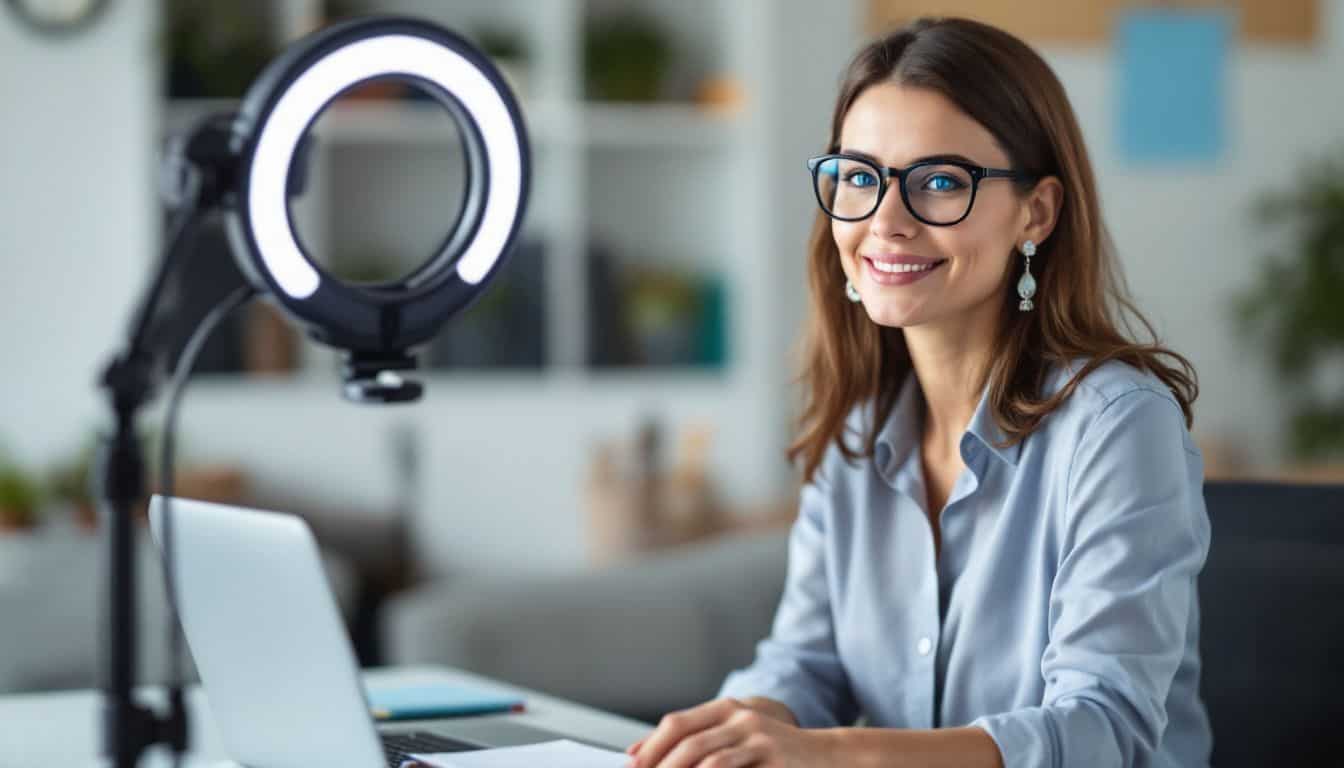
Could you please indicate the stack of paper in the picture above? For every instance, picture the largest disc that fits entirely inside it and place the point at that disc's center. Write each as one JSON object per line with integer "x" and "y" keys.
{"x": 552, "y": 754}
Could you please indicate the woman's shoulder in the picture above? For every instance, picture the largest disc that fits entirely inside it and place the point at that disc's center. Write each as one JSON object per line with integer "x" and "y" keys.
{"x": 1104, "y": 386}
{"x": 1123, "y": 441}
{"x": 1117, "y": 405}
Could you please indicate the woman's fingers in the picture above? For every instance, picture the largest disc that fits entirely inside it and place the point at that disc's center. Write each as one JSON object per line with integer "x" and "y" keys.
{"x": 633, "y": 749}
{"x": 691, "y": 750}
{"x": 738, "y": 757}
{"x": 678, "y": 725}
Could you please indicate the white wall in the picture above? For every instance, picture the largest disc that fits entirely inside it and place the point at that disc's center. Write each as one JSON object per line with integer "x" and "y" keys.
{"x": 810, "y": 43}
{"x": 76, "y": 216}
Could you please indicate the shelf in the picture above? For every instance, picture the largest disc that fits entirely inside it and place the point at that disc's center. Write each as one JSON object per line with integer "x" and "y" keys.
{"x": 596, "y": 125}
{"x": 374, "y": 122}
{"x": 657, "y": 125}
{"x": 311, "y": 381}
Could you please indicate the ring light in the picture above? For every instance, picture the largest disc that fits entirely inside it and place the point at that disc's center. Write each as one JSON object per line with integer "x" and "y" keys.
{"x": 377, "y": 324}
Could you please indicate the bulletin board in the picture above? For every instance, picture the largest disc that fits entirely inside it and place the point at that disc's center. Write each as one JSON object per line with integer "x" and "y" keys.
{"x": 1090, "y": 22}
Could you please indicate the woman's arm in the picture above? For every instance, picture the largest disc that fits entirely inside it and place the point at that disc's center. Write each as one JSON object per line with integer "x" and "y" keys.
{"x": 776, "y": 743}
{"x": 798, "y": 665}
{"x": 1123, "y": 597}
{"x": 967, "y": 747}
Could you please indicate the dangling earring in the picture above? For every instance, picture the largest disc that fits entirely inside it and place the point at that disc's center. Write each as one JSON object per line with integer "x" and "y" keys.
{"x": 852, "y": 293}
{"x": 1026, "y": 286}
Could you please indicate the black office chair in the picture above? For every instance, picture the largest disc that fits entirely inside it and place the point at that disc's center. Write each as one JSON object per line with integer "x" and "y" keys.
{"x": 1272, "y": 624}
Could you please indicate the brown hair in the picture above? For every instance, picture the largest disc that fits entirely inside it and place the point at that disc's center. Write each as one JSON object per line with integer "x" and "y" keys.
{"x": 1083, "y": 309}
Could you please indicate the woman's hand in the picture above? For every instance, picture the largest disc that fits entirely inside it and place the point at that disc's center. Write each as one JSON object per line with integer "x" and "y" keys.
{"x": 728, "y": 733}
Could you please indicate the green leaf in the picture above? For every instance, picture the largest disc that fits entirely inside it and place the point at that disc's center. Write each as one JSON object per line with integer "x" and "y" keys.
{"x": 1295, "y": 307}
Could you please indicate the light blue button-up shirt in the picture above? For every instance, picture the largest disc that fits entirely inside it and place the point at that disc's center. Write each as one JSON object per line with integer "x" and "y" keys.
{"x": 1060, "y": 616}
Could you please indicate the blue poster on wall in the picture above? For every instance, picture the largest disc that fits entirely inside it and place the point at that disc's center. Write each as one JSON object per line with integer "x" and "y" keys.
{"x": 1171, "y": 97}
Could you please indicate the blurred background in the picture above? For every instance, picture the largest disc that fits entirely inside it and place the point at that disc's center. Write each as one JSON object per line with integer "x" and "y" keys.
{"x": 595, "y": 477}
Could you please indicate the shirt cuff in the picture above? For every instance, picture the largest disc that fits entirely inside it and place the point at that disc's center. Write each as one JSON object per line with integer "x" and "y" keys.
{"x": 807, "y": 709}
{"x": 1023, "y": 737}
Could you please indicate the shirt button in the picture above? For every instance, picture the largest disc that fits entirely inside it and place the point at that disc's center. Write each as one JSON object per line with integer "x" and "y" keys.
{"x": 925, "y": 645}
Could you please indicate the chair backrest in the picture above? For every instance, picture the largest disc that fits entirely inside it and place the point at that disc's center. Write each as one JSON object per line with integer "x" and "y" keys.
{"x": 1272, "y": 624}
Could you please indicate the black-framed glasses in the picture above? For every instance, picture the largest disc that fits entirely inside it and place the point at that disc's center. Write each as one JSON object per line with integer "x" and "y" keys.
{"x": 938, "y": 191}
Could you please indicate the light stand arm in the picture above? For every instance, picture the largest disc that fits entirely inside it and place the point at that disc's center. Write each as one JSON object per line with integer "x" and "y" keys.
{"x": 129, "y": 727}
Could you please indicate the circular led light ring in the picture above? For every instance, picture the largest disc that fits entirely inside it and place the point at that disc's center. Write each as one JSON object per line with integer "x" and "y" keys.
{"x": 392, "y": 54}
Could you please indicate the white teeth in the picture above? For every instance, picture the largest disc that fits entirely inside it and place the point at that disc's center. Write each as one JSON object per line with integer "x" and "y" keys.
{"x": 894, "y": 267}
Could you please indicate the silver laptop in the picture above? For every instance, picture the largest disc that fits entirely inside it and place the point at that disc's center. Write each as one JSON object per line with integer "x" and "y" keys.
{"x": 273, "y": 656}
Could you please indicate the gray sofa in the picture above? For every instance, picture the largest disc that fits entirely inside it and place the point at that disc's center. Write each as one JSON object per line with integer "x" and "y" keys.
{"x": 53, "y": 593}
{"x": 641, "y": 639}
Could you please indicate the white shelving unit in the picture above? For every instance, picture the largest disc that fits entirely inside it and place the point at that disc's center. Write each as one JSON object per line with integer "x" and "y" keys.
{"x": 659, "y": 184}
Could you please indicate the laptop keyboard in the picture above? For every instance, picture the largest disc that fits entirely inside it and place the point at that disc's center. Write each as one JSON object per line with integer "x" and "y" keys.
{"x": 400, "y": 746}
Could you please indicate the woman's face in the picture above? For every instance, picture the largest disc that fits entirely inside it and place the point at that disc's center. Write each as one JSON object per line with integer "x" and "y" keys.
{"x": 895, "y": 126}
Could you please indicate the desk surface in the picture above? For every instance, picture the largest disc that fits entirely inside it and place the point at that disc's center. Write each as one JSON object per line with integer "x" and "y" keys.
{"x": 61, "y": 728}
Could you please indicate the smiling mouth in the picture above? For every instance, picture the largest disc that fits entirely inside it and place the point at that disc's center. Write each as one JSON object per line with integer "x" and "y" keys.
{"x": 894, "y": 268}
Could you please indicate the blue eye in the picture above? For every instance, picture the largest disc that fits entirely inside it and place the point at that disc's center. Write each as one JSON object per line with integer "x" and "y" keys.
{"x": 941, "y": 182}
{"x": 861, "y": 179}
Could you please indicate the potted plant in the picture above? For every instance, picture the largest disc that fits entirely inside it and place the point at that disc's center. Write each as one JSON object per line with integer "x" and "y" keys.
{"x": 507, "y": 49}
{"x": 626, "y": 57}
{"x": 20, "y": 499}
{"x": 69, "y": 482}
{"x": 1296, "y": 307}
{"x": 215, "y": 50}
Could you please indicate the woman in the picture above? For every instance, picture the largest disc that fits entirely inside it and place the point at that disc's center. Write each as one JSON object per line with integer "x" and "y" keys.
{"x": 995, "y": 557}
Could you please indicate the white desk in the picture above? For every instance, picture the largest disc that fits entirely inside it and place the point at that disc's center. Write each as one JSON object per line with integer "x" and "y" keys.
{"x": 62, "y": 729}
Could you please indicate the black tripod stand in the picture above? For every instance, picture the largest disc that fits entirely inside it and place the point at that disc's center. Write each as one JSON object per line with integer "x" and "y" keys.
{"x": 198, "y": 176}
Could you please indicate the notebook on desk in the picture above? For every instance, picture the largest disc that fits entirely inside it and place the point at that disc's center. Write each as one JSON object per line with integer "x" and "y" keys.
{"x": 423, "y": 702}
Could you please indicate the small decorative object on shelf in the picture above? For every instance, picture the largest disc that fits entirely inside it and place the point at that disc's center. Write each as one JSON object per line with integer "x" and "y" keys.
{"x": 69, "y": 483}
{"x": 656, "y": 316}
{"x": 507, "y": 49}
{"x": 636, "y": 503}
{"x": 20, "y": 498}
{"x": 626, "y": 57}
{"x": 675, "y": 317}
{"x": 366, "y": 266}
{"x": 270, "y": 346}
{"x": 721, "y": 94}
{"x": 214, "y": 50}
{"x": 505, "y": 328}
{"x": 379, "y": 90}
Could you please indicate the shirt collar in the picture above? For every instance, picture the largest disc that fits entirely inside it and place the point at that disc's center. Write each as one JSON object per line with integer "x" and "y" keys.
{"x": 984, "y": 427}
{"x": 900, "y": 433}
